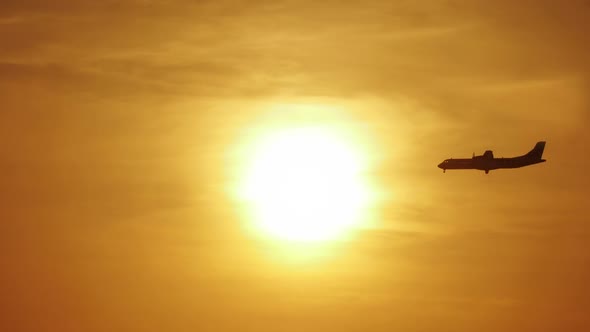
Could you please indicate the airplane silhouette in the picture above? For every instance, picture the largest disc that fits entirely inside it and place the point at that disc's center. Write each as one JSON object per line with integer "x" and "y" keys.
{"x": 487, "y": 162}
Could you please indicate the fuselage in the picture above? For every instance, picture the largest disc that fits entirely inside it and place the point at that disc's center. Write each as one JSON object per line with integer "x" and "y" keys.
{"x": 488, "y": 164}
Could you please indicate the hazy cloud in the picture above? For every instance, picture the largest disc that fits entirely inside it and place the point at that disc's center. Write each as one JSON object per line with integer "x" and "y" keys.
{"x": 116, "y": 118}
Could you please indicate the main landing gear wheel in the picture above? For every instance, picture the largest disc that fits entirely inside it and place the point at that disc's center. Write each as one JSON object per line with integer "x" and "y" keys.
{"x": 487, "y": 171}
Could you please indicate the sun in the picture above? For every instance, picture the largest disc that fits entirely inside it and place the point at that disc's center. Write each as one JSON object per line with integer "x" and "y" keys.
{"x": 305, "y": 184}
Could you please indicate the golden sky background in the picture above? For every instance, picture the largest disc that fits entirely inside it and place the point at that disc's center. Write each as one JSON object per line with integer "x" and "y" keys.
{"x": 118, "y": 126}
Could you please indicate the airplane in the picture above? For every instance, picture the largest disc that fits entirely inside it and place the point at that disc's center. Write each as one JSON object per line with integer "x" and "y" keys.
{"x": 487, "y": 162}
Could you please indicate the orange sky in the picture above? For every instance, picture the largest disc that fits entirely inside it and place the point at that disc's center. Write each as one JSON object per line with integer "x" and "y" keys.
{"x": 118, "y": 119}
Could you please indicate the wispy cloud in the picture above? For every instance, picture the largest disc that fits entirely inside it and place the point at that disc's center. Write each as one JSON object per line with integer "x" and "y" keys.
{"x": 116, "y": 115}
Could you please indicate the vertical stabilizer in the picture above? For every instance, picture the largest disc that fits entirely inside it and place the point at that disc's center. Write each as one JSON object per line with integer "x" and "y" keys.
{"x": 537, "y": 151}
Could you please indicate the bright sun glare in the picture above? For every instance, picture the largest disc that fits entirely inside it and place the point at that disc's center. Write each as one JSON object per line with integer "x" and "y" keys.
{"x": 305, "y": 184}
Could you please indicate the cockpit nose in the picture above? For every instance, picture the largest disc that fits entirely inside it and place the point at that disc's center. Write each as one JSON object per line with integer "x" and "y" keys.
{"x": 440, "y": 165}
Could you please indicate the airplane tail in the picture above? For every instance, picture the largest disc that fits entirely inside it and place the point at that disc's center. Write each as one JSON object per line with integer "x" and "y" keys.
{"x": 537, "y": 151}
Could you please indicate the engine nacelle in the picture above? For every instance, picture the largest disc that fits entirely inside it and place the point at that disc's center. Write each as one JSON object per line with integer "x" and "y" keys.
{"x": 488, "y": 154}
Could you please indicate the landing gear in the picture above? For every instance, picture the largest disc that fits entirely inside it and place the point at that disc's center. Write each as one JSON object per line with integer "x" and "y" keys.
{"x": 487, "y": 171}
{"x": 444, "y": 170}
